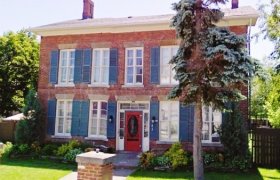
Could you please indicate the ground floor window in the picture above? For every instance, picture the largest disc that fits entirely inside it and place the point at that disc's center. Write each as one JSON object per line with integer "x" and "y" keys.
{"x": 98, "y": 118}
{"x": 64, "y": 117}
{"x": 169, "y": 121}
{"x": 212, "y": 120}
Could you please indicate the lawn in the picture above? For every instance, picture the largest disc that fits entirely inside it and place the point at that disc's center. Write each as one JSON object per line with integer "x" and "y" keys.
{"x": 261, "y": 174}
{"x": 26, "y": 169}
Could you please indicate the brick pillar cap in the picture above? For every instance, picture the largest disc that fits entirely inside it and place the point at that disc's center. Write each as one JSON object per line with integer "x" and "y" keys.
{"x": 95, "y": 158}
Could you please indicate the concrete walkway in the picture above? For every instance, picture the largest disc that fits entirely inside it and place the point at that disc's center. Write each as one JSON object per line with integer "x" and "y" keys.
{"x": 125, "y": 163}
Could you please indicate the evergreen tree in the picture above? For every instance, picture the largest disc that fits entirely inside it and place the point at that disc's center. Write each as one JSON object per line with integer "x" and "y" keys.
{"x": 30, "y": 129}
{"x": 211, "y": 64}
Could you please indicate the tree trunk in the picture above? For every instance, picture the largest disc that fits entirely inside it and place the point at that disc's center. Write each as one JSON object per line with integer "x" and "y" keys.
{"x": 197, "y": 147}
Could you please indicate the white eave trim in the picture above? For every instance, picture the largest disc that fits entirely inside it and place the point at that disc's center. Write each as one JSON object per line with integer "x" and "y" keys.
{"x": 83, "y": 29}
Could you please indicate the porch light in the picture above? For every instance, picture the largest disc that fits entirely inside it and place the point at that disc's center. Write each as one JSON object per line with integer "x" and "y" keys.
{"x": 154, "y": 120}
{"x": 110, "y": 119}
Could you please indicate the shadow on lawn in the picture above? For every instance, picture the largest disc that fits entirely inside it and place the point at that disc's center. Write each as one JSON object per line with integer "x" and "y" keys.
{"x": 38, "y": 163}
{"x": 187, "y": 175}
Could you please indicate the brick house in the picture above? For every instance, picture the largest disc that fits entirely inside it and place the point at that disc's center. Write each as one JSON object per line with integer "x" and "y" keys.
{"x": 106, "y": 80}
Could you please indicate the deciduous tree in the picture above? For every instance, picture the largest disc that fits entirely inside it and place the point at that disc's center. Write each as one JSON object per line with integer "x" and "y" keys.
{"x": 19, "y": 64}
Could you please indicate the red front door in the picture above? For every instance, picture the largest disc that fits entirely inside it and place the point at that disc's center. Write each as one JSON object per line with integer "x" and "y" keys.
{"x": 133, "y": 131}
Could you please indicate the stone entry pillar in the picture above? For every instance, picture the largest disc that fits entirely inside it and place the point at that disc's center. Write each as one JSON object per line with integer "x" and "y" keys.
{"x": 95, "y": 166}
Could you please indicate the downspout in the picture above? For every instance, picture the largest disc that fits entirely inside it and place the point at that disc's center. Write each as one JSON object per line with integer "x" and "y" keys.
{"x": 249, "y": 84}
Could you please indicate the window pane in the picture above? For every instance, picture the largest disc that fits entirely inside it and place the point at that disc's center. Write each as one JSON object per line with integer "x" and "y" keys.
{"x": 63, "y": 75}
{"x": 106, "y": 56}
{"x": 174, "y": 130}
{"x": 68, "y": 125}
{"x": 130, "y": 53}
{"x": 60, "y": 125}
{"x": 130, "y": 70}
{"x": 139, "y": 61}
{"x": 96, "y": 59}
{"x": 96, "y": 72}
{"x": 71, "y": 74}
{"x": 130, "y": 61}
{"x": 166, "y": 56}
{"x": 105, "y": 75}
{"x": 139, "y": 79}
{"x": 164, "y": 130}
{"x": 138, "y": 53}
{"x": 139, "y": 70}
{"x": 104, "y": 105}
{"x": 129, "y": 79}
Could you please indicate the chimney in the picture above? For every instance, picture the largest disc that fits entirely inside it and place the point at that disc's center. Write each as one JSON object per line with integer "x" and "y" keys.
{"x": 88, "y": 9}
{"x": 234, "y": 4}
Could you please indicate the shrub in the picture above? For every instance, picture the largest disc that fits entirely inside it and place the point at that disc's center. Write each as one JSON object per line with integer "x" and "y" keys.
{"x": 24, "y": 149}
{"x": 162, "y": 161}
{"x": 177, "y": 156}
{"x": 6, "y": 151}
{"x": 49, "y": 149}
{"x": 36, "y": 148}
{"x": 147, "y": 160}
{"x": 71, "y": 155}
{"x": 65, "y": 148}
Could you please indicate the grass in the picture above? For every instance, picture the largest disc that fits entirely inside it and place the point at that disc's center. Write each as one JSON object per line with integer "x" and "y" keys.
{"x": 261, "y": 174}
{"x": 26, "y": 169}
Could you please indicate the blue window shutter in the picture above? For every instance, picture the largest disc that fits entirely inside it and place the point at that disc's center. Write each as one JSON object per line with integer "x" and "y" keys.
{"x": 76, "y": 111}
{"x": 190, "y": 122}
{"x": 183, "y": 122}
{"x": 54, "y": 59}
{"x": 78, "y": 66}
{"x": 84, "y": 118}
{"x": 86, "y": 69}
{"x": 113, "y": 70}
{"x": 111, "y": 126}
{"x": 51, "y": 116}
{"x": 155, "y": 65}
{"x": 154, "y": 128}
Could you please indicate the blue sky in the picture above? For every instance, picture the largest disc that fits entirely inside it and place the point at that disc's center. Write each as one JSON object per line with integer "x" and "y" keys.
{"x": 18, "y": 14}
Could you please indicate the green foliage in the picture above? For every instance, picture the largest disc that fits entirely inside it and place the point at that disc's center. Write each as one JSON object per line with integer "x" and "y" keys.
{"x": 50, "y": 149}
{"x": 65, "y": 148}
{"x": 24, "y": 149}
{"x": 6, "y": 150}
{"x": 272, "y": 104}
{"x": 177, "y": 156}
{"x": 239, "y": 162}
{"x": 233, "y": 133}
{"x": 162, "y": 161}
{"x": 19, "y": 65}
{"x": 30, "y": 129}
{"x": 71, "y": 155}
{"x": 213, "y": 158}
{"x": 146, "y": 160}
{"x": 212, "y": 62}
{"x": 260, "y": 90}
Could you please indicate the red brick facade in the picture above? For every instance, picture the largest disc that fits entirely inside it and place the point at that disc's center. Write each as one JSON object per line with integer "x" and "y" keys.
{"x": 119, "y": 40}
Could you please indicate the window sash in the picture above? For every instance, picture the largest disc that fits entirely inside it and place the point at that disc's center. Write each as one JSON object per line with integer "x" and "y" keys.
{"x": 134, "y": 66}
{"x": 98, "y": 121}
{"x": 64, "y": 117}
{"x": 166, "y": 70}
{"x": 66, "y": 66}
{"x": 100, "y": 66}
{"x": 169, "y": 121}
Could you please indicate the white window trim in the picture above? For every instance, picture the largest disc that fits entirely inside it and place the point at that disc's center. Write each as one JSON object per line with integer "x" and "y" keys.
{"x": 67, "y": 84}
{"x": 97, "y": 136}
{"x": 134, "y": 67}
{"x": 161, "y": 65}
{"x": 99, "y": 84}
{"x": 64, "y": 119}
{"x": 160, "y": 115}
{"x": 211, "y": 112}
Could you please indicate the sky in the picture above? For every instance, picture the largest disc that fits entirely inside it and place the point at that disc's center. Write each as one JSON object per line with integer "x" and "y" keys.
{"x": 18, "y": 14}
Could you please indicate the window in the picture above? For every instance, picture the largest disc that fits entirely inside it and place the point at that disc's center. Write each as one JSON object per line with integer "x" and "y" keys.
{"x": 64, "y": 117}
{"x": 211, "y": 122}
{"x": 166, "y": 70}
{"x": 98, "y": 118}
{"x": 100, "y": 66}
{"x": 66, "y": 67}
{"x": 169, "y": 121}
{"x": 134, "y": 66}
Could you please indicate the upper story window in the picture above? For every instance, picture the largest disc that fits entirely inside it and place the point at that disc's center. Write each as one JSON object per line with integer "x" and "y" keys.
{"x": 134, "y": 66}
{"x": 63, "y": 118}
{"x": 66, "y": 67}
{"x": 100, "y": 66}
{"x": 169, "y": 121}
{"x": 98, "y": 119}
{"x": 212, "y": 120}
{"x": 166, "y": 70}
